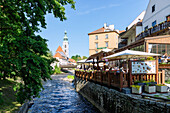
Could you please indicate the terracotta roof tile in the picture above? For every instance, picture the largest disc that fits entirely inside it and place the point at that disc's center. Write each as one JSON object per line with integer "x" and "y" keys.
{"x": 72, "y": 60}
{"x": 122, "y": 31}
{"x": 59, "y": 49}
{"x": 98, "y": 31}
{"x": 57, "y": 55}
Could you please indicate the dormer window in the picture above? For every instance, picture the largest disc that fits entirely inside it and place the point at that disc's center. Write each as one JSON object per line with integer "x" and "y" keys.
{"x": 153, "y": 8}
{"x": 96, "y": 37}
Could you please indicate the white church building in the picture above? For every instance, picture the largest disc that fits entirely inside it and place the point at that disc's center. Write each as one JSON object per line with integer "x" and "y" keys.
{"x": 62, "y": 54}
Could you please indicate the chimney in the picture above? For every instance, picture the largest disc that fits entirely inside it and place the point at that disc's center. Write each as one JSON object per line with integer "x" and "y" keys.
{"x": 105, "y": 25}
{"x": 111, "y": 27}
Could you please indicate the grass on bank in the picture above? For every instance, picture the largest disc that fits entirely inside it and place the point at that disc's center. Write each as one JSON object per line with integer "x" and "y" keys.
{"x": 8, "y": 103}
{"x": 70, "y": 76}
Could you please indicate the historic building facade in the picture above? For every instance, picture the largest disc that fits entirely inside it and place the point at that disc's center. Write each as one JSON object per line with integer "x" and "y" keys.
{"x": 105, "y": 37}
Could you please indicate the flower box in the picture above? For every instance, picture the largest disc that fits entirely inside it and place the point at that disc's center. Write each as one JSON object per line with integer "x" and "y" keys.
{"x": 162, "y": 88}
{"x": 150, "y": 89}
{"x": 136, "y": 89}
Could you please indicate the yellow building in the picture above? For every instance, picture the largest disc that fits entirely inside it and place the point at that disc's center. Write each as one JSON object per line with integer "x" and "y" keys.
{"x": 105, "y": 37}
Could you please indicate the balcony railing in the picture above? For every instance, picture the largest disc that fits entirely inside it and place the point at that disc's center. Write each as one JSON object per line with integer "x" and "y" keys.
{"x": 155, "y": 29}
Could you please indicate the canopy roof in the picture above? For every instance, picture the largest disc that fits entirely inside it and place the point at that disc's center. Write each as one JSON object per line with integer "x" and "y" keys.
{"x": 86, "y": 61}
{"x": 130, "y": 54}
{"x": 100, "y": 54}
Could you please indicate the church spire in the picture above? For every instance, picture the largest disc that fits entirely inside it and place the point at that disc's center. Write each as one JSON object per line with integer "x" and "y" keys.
{"x": 66, "y": 44}
{"x": 65, "y": 36}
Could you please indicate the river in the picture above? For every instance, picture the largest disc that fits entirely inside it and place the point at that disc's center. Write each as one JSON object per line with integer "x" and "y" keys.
{"x": 59, "y": 96}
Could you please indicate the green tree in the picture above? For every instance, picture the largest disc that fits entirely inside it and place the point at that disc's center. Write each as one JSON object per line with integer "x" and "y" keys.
{"x": 76, "y": 57}
{"x": 21, "y": 50}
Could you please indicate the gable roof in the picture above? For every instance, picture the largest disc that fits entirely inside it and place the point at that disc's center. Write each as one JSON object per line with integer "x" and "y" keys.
{"x": 57, "y": 55}
{"x": 59, "y": 49}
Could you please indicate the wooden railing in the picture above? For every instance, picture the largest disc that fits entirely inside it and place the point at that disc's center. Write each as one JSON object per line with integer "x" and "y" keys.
{"x": 108, "y": 78}
{"x": 118, "y": 80}
{"x": 160, "y": 78}
{"x": 155, "y": 29}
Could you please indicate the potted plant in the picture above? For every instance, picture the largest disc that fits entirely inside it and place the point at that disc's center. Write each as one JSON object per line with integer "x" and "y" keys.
{"x": 150, "y": 88}
{"x": 136, "y": 89}
{"x": 161, "y": 88}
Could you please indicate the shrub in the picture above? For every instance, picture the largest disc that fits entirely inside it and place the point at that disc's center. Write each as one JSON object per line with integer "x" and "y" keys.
{"x": 136, "y": 86}
{"x": 150, "y": 58}
{"x": 57, "y": 70}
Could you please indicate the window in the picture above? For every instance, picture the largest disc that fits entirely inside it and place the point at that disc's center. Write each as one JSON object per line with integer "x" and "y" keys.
{"x": 153, "y": 23}
{"x": 96, "y": 45}
{"x": 96, "y": 37}
{"x": 65, "y": 46}
{"x": 107, "y": 44}
{"x": 96, "y": 51}
{"x": 65, "y": 51}
{"x": 168, "y": 18}
{"x": 106, "y": 36}
{"x": 146, "y": 28}
{"x": 153, "y": 8}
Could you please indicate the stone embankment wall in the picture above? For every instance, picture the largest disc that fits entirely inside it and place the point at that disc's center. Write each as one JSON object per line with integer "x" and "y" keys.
{"x": 111, "y": 101}
{"x": 167, "y": 74}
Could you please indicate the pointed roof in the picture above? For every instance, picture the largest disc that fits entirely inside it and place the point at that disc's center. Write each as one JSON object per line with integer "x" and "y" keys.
{"x": 59, "y": 49}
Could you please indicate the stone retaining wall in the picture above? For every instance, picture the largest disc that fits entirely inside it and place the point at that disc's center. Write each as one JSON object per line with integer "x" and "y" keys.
{"x": 167, "y": 74}
{"x": 111, "y": 101}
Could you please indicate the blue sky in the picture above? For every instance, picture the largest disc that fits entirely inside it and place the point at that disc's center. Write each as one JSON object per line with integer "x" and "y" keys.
{"x": 89, "y": 16}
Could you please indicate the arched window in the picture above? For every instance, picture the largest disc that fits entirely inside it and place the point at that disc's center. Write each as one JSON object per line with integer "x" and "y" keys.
{"x": 65, "y": 46}
{"x": 65, "y": 51}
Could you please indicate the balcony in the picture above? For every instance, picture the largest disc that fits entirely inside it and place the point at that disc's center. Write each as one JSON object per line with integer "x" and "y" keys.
{"x": 154, "y": 31}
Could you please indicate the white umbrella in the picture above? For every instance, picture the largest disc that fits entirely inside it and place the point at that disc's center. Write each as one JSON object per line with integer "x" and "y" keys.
{"x": 130, "y": 54}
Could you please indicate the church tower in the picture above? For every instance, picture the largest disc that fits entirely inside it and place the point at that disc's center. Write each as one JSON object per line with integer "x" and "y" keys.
{"x": 66, "y": 45}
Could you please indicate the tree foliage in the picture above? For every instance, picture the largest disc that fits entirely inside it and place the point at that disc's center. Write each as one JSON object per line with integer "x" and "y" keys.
{"x": 78, "y": 57}
{"x": 21, "y": 50}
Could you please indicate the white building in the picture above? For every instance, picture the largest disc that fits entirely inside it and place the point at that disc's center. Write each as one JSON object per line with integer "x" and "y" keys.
{"x": 157, "y": 12}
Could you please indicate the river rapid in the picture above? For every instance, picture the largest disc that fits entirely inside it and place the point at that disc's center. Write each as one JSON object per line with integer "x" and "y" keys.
{"x": 59, "y": 96}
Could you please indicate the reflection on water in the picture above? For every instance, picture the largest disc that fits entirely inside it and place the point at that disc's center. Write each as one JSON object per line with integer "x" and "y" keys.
{"x": 59, "y": 96}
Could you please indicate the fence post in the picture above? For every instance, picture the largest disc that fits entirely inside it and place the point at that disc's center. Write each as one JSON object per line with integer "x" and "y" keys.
{"x": 156, "y": 78}
{"x": 101, "y": 79}
{"x": 109, "y": 82}
{"x": 130, "y": 74}
{"x": 121, "y": 80}
{"x": 163, "y": 76}
{"x": 94, "y": 76}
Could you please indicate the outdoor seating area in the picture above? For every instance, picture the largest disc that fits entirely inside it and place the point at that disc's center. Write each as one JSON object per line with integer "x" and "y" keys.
{"x": 138, "y": 72}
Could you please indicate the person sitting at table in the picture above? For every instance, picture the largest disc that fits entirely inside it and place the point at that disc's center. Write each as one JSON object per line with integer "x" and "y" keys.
{"x": 159, "y": 60}
{"x": 165, "y": 55}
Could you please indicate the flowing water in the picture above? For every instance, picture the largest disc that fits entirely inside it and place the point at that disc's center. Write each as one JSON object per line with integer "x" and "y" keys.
{"x": 59, "y": 96}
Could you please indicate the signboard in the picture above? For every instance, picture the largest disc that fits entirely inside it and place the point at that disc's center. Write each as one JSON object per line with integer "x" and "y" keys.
{"x": 144, "y": 67}
{"x": 101, "y": 47}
